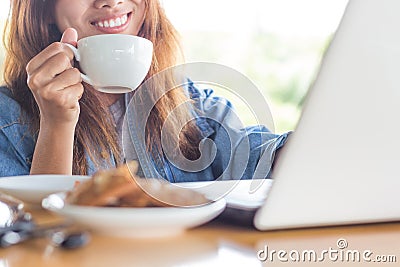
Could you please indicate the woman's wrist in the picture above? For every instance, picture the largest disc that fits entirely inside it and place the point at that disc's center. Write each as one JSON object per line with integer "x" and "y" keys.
{"x": 54, "y": 150}
{"x": 57, "y": 129}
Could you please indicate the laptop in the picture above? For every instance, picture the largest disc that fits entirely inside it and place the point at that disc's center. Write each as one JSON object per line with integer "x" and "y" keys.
{"x": 342, "y": 163}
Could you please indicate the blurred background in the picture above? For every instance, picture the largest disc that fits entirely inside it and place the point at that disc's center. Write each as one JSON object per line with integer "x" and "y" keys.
{"x": 278, "y": 44}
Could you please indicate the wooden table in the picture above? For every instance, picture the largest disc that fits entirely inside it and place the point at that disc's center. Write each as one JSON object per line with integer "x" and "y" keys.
{"x": 214, "y": 244}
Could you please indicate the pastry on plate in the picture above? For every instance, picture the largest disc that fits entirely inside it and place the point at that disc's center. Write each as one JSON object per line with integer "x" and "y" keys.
{"x": 121, "y": 187}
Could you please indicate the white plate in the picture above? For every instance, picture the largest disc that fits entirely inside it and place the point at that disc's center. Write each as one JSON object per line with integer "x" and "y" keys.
{"x": 33, "y": 188}
{"x": 134, "y": 222}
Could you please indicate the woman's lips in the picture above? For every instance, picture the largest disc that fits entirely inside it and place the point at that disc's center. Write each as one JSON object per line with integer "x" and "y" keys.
{"x": 113, "y": 25}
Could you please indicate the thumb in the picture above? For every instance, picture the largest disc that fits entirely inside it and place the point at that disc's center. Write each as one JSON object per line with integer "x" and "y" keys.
{"x": 70, "y": 36}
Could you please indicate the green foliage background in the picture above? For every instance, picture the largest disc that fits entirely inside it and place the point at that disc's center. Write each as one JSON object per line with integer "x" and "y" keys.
{"x": 282, "y": 67}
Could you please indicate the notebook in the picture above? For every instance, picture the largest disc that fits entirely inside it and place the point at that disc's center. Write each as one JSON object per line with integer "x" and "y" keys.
{"x": 341, "y": 165}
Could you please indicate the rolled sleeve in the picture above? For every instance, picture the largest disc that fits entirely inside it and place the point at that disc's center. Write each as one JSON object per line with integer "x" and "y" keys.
{"x": 240, "y": 152}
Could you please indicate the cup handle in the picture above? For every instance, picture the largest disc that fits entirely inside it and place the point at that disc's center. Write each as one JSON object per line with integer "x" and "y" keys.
{"x": 85, "y": 78}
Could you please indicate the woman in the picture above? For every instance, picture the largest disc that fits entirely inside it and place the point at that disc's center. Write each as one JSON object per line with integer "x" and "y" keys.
{"x": 53, "y": 123}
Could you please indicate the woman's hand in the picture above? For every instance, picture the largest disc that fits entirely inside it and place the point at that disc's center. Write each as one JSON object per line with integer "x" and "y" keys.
{"x": 56, "y": 84}
{"x": 57, "y": 88}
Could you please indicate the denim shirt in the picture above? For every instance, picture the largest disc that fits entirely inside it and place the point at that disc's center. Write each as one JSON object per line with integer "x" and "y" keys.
{"x": 229, "y": 151}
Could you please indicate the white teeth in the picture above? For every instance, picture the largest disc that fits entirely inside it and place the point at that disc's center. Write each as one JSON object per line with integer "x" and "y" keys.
{"x": 124, "y": 19}
{"x": 118, "y": 22}
{"x": 112, "y": 22}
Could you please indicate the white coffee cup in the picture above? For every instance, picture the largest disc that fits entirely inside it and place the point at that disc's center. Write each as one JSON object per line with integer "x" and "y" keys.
{"x": 114, "y": 63}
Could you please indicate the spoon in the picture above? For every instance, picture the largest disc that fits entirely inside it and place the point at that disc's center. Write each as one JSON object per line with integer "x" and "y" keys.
{"x": 60, "y": 235}
{"x": 11, "y": 210}
{"x": 17, "y": 226}
{"x": 70, "y": 239}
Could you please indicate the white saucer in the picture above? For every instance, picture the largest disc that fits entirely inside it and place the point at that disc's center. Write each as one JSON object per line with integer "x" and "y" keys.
{"x": 134, "y": 222}
{"x": 33, "y": 188}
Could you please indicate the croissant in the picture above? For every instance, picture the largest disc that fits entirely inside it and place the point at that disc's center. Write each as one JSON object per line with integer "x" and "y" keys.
{"x": 121, "y": 187}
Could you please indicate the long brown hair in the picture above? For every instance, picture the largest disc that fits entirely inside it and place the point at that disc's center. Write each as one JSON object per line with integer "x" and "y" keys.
{"x": 28, "y": 32}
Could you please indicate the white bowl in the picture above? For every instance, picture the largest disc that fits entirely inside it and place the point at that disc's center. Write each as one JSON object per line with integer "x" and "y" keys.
{"x": 134, "y": 222}
{"x": 33, "y": 188}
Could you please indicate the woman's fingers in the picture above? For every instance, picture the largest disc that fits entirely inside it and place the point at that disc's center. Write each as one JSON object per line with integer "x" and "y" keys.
{"x": 67, "y": 78}
{"x": 60, "y": 108}
{"x": 66, "y": 85}
{"x": 70, "y": 36}
{"x": 50, "y": 51}
{"x": 70, "y": 96}
{"x": 54, "y": 66}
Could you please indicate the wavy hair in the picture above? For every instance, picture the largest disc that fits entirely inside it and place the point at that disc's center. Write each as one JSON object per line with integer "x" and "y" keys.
{"x": 28, "y": 31}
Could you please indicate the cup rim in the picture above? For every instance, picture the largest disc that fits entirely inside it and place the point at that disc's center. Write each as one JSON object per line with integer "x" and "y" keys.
{"x": 113, "y": 35}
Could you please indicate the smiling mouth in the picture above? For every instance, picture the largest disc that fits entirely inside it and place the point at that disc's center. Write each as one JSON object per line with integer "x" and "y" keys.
{"x": 114, "y": 22}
